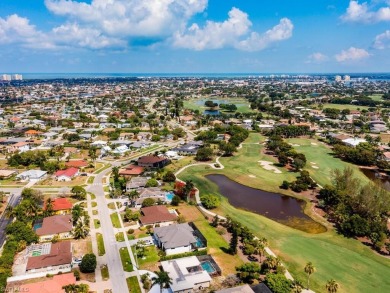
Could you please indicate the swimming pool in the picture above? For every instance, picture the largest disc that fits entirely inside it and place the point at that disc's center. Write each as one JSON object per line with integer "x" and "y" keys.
{"x": 199, "y": 242}
{"x": 37, "y": 225}
{"x": 208, "y": 267}
{"x": 169, "y": 196}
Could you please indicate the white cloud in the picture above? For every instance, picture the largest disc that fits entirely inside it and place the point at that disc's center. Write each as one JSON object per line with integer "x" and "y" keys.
{"x": 232, "y": 32}
{"x": 257, "y": 42}
{"x": 362, "y": 13}
{"x": 382, "y": 41}
{"x": 317, "y": 58}
{"x": 352, "y": 54}
{"x": 16, "y": 29}
{"x": 153, "y": 18}
{"x": 214, "y": 35}
{"x": 77, "y": 36}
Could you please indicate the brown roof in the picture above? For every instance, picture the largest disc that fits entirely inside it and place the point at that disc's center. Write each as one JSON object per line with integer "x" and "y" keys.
{"x": 132, "y": 170}
{"x": 55, "y": 224}
{"x": 150, "y": 159}
{"x": 60, "y": 254}
{"x": 76, "y": 164}
{"x": 156, "y": 214}
{"x": 49, "y": 285}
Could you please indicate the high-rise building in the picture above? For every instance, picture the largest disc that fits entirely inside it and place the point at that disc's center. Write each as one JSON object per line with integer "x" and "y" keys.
{"x": 17, "y": 77}
{"x": 347, "y": 78}
{"x": 6, "y": 77}
{"x": 337, "y": 78}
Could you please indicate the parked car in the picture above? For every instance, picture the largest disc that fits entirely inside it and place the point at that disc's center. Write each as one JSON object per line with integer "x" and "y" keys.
{"x": 252, "y": 258}
{"x": 83, "y": 174}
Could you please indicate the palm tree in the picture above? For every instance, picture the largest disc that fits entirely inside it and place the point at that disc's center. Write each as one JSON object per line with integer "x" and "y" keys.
{"x": 49, "y": 208}
{"x": 296, "y": 287}
{"x": 309, "y": 269}
{"x": 80, "y": 231}
{"x": 77, "y": 212}
{"x": 162, "y": 279}
{"x": 9, "y": 212}
{"x": 332, "y": 286}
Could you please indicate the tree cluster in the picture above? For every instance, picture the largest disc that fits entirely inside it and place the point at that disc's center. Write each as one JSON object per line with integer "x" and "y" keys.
{"x": 357, "y": 210}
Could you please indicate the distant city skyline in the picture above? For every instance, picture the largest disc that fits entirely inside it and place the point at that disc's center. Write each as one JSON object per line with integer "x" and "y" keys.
{"x": 194, "y": 36}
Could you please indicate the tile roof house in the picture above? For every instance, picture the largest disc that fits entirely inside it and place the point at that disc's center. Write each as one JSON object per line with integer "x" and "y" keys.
{"x": 60, "y": 225}
{"x": 61, "y": 206}
{"x": 60, "y": 255}
{"x": 76, "y": 164}
{"x": 152, "y": 161}
{"x": 135, "y": 183}
{"x": 157, "y": 215}
{"x": 67, "y": 174}
{"x": 49, "y": 285}
{"x": 131, "y": 170}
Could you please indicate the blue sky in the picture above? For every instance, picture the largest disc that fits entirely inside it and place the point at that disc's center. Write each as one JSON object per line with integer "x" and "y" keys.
{"x": 178, "y": 36}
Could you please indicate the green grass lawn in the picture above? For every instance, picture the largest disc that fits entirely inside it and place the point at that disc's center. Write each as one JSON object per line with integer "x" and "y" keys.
{"x": 125, "y": 258}
{"x": 354, "y": 266}
{"x": 100, "y": 243}
{"x": 120, "y": 237}
{"x": 132, "y": 284}
{"x": 94, "y": 212}
{"x": 94, "y": 204}
{"x": 105, "y": 273}
{"x": 90, "y": 179}
{"x": 151, "y": 257}
{"x": 111, "y": 205}
{"x": 242, "y": 104}
{"x": 96, "y": 222}
{"x": 93, "y": 196}
{"x": 320, "y": 154}
{"x": 115, "y": 220}
{"x": 376, "y": 97}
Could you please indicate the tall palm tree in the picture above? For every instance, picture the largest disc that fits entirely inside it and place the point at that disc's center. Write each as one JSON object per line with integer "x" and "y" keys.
{"x": 162, "y": 279}
{"x": 332, "y": 286}
{"x": 49, "y": 208}
{"x": 309, "y": 269}
{"x": 77, "y": 213}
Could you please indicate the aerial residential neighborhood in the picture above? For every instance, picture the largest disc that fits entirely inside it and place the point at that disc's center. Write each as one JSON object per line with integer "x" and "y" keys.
{"x": 118, "y": 192}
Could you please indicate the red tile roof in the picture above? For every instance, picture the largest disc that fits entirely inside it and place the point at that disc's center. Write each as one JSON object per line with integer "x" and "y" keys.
{"x": 156, "y": 214}
{"x": 132, "y": 170}
{"x": 76, "y": 164}
{"x": 60, "y": 254}
{"x": 60, "y": 204}
{"x": 50, "y": 285}
{"x": 55, "y": 224}
{"x": 70, "y": 172}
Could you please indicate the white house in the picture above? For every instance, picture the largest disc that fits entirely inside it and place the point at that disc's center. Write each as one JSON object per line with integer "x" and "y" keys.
{"x": 32, "y": 175}
{"x": 353, "y": 142}
{"x": 121, "y": 149}
{"x": 187, "y": 274}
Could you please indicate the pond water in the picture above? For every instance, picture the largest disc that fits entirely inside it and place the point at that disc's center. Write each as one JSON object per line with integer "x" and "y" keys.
{"x": 281, "y": 208}
{"x": 211, "y": 112}
{"x": 374, "y": 176}
{"x": 219, "y": 101}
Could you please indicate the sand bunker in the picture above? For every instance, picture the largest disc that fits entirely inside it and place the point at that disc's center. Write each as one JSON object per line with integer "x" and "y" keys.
{"x": 269, "y": 166}
{"x": 313, "y": 143}
{"x": 315, "y": 167}
{"x": 294, "y": 144}
{"x": 252, "y": 176}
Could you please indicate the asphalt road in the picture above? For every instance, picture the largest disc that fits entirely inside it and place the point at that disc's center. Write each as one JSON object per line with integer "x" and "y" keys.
{"x": 4, "y": 221}
{"x": 114, "y": 263}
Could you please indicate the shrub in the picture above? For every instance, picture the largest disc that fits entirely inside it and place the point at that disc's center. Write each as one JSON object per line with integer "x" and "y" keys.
{"x": 88, "y": 263}
{"x": 76, "y": 274}
{"x": 130, "y": 231}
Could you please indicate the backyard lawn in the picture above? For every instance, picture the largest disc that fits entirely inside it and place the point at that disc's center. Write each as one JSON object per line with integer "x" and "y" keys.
{"x": 150, "y": 260}
{"x": 125, "y": 258}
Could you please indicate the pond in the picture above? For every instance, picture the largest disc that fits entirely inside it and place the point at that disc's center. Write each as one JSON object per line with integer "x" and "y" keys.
{"x": 211, "y": 112}
{"x": 284, "y": 209}
{"x": 375, "y": 176}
